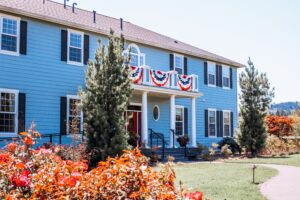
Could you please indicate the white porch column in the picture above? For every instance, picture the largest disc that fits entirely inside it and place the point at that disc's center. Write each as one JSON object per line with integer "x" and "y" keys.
{"x": 194, "y": 140}
{"x": 172, "y": 118}
{"x": 145, "y": 118}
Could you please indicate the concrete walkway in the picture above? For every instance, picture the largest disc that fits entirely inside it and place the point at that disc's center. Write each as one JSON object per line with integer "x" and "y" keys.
{"x": 284, "y": 186}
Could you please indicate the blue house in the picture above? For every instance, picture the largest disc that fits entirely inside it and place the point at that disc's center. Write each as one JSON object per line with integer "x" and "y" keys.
{"x": 44, "y": 49}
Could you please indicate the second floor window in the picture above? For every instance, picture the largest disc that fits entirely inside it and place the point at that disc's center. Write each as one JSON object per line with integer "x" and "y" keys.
{"x": 137, "y": 58}
{"x": 211, "y": 74}
{"x": 9, "y": 34}
{"x": 75, "y": 46}
{"x": 226, "y": 77}
{"x": 212, "y": 123}
{"x": 178, "y": 63}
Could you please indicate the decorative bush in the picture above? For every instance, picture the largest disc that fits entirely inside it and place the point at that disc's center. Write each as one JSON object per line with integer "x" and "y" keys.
{"x": 274, "y": 146}
{"x": 233, "y": 145}
{"x": 183, "y": 140}
{"x": 225, "y": 151}
{"x": 280, "y": 125}
{"x": 27, "y": 173}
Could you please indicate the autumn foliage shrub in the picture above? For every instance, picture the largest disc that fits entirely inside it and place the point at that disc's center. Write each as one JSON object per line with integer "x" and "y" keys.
{"x": 280, "y": 125}
{"x": 28, "y": 173}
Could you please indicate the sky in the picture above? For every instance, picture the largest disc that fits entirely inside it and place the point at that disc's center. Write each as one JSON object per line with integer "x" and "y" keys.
{"x": 267, "y": 31}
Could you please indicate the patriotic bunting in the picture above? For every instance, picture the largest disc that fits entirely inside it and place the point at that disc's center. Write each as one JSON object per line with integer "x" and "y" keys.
{"x": 136, "y": 74}
{"x": 184, "y": 82}
{"x": 159, "y": 78}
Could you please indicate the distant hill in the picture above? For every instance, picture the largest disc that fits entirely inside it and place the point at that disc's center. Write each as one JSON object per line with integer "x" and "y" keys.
{"x": 284, "y": 108}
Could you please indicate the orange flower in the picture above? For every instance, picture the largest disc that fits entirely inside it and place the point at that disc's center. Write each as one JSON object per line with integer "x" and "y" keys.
{"x": 28, "y": 141}
{"x": 20, "y": 165}
{"x": 11, "y": 147}
{"x": 24, "y": 134}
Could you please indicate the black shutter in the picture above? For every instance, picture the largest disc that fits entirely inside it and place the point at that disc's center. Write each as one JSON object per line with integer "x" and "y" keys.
{"x": 220, "y": 76}
{"x": 23, "y": 37}
{"x": 21, "y": 112}
{"x": 185, "y": 66}
{"x": 218, "y": 124}
{"x": 217, "y": 75}
{"x": 64, "y": 45}
{"x": 206, "y": 122}
{"x": 231, "y": 83}
{"x": 171, "y": 62}
{"x": 231, "y": 124}
{"x": 205, "y": 73}
{"x": 221, "y": 125}
{"x": 63, "y": 115}
{"x": 86, "y": 48}
{"x": 186, "y": 122}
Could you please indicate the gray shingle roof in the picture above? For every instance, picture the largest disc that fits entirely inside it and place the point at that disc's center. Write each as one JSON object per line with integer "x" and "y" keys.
{"x": 54, "y": 12}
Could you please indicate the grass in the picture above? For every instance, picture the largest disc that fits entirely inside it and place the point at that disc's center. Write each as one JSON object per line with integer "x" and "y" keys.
{"x": 292, "y": 160}
{"x": 223, "y": 181}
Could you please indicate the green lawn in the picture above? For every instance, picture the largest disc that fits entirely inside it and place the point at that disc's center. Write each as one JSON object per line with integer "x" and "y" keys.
{"x": 292, "y": 160}
{"x": 223, "y": 181}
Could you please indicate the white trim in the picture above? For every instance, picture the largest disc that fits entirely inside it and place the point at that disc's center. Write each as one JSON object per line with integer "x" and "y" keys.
{"x": 226, "y": 67}
{"x": 68, "y": 112}
{"x": 183, "y": 118}
{"x": 18, "y": 19}
{"x": 68, "y": 47}
{"x": 229, "y": 112}
{"x": 139, "y": 54}
{"x": 156, "y": 106}
{"x": 211, "y": 64}
{"x": 16, "y": 92}
{"x": 135, "y": 104}
{"x": 182, "y": 62}
{"x": 216, "y": 131}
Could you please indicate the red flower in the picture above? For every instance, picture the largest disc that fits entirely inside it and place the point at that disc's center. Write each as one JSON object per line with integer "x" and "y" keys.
{"x": 67, "y": 181}
{"x": 21, "y": 181}
{"x": 71, "y": 182}
{"x": 4, "y": 157}
{"x": 11, "y": 147}
{"x": 194, "y": 196}
{"x": 76, "y": 175}
{"x": 28, "y": 141}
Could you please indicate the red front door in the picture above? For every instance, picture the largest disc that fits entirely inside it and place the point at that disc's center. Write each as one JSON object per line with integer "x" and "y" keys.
{"x": 133, "y": 123}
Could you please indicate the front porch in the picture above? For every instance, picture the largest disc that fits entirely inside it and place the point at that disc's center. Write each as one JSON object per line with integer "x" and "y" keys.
{"x": 148, "y": 96}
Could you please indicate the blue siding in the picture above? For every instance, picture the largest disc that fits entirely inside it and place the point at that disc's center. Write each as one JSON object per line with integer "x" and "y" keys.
{"x": 45, "y": 78}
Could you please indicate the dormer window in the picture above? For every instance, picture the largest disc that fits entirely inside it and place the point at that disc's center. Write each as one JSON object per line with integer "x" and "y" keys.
{"x": 136, "y": 57}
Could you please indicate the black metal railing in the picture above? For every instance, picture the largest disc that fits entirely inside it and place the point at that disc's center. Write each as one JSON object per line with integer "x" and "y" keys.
{"x": 158, "y": 137}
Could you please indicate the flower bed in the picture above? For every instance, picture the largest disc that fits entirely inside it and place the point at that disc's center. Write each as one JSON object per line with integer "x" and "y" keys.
{"x": 42, "y": 174}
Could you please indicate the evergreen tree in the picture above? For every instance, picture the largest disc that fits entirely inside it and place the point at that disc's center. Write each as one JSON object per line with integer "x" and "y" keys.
{"x": 105, "y": 99}
{"x": 255, "y": 98}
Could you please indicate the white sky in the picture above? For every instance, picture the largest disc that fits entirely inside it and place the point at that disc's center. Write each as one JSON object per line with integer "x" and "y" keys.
{"x": 268, "y": 31}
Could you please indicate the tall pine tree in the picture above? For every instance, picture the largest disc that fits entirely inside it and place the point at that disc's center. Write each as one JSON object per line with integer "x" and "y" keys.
{"x": 105, "y": 99}
{"x": 255, "y": 98}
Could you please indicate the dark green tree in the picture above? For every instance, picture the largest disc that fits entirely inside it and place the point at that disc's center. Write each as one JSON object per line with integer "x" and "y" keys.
{"x": 105, "y": 99}
{"x": 255, "y": 99}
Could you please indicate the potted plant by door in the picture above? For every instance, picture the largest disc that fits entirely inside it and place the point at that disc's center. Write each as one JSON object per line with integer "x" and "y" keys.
{"x": 183, "y": 140}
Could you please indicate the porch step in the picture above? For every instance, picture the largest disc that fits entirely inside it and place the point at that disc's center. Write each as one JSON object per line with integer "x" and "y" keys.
{"x": 177, "y": 153}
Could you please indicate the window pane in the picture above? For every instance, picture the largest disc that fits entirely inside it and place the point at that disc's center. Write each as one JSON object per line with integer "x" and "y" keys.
{"x": 226, "y": 71}
{"x": 74, "y": 125}
{"x": 178, "y": 61}
{"x": 212, "y": 117}
{"x": 74, "y": 107}
{"x": 9, "y": 43}
{"x": 226, "y": 130}
{"x": 134, "y": 50}
{"x": 7, "y": 102}
{"x": 225, "y": 82}
{"x": 226, "y": 118}
{"x": 179, "y": 128}
{"x": 179, "y": 114}
{"x": 75, "y": 55}
{"x": 134, "y": 61}
{"x": 211, "y": 69}
{"x": 9, "y": 26}
{"x": 178, "y": 70}
{"x": 7, "y": 122}
{"x": 75, "y": 40}
{"x": 212, "y": 130}
{"x": 211, "y": 79}
{"x": 142, "y": 61}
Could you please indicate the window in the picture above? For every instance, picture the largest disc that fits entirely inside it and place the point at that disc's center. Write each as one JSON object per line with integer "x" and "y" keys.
{"x": 179, "y": 120}
{"x": 178, "y": 63}
{"x": 226, "y": 123}
{"x": 136, "y": 57}
{"x": 75, "y": 116}
{"x": 226, "y": 77}
{"x": 75, "y": 47}
{"x": 9, "y": 35}
{"x": 8, "y": 111}
{"x": 212, "y": 123}
{"x": 211, "y": 74}
{"x": 156, "y": 113}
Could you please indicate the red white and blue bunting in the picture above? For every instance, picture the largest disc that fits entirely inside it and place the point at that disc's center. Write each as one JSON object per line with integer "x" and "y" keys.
{"x": 184, "y": 82}
{"x": 136, "y": 74}
{"x": 159, "y": 78}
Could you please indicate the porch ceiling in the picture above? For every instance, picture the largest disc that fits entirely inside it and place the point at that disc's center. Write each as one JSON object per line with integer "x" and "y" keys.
{"x": 167, "y": 92}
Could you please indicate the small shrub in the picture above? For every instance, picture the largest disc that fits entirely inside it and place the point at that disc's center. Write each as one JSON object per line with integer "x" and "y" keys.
{"x": 183, "y": 140}
{"x": 225, "y": 151}
{"x": 274, "y": 146}
{"x": 233, "y": 145}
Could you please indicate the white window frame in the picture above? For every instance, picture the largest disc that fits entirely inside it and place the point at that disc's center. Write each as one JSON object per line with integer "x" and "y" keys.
{"x": 229, "y": 112}
{"x": 68, "y": 49}
{"x": 69, "y": 97}
{"x": 211, "y": 65}
{"x": 18, "y": 19}
{"x": 139, "y": 54}
{"x": 156, "y": 106}
{"x": 16, "y": 92}
{"x": 183, "y": 117}
{"x": 216, "y": 131}
{"x": 223, "y": 76}
{"x": 182, "y": 62}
